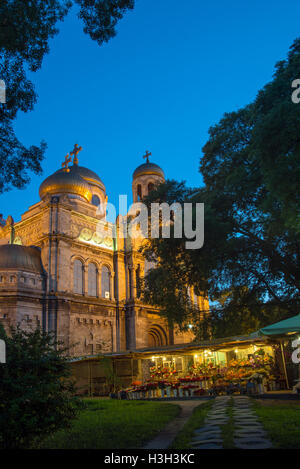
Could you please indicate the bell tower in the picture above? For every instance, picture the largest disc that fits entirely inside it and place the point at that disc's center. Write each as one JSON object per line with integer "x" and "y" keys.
{"x": 145, "y": 177}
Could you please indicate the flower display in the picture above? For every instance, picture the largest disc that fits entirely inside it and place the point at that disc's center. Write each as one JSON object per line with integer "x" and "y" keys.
{"x": 208, "y": 377}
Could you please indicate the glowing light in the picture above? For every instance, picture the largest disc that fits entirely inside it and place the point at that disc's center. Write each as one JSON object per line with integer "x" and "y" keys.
{"x": 236, "y": 350}
{"x": 196, "y": 356}
{"x": 191, "y": 326}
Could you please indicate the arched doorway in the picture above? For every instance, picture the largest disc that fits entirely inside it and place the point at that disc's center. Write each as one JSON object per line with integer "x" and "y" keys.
{"x": 157, "y": 337}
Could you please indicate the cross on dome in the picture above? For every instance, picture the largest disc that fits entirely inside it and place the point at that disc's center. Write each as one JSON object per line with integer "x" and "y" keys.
{"x": 147, "y": 156}
{"x": 75, "y": 152}
{"x": 65, "y": 165}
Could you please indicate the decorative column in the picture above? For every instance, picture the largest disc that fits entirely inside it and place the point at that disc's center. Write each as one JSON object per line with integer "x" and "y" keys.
{"x": 133, "y": 273}
{"x": 130, "y": 282}
{"x": 85, "y": 280}
{"x": 112, "y": 286}
{"x": 99, "y": 283}
{"x": 98, "y": 293}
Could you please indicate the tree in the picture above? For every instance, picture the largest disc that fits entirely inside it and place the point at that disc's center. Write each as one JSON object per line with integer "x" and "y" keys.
{"x": 37, "y": 396}
{"x": 25, "y": 31}
{"x": 249, "y": 265}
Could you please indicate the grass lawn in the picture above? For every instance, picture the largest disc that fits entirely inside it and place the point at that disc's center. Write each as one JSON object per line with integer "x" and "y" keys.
{"x": 184, "y": 437}
{"x": 110, "y": 424}
{"x": 281, "y": 421}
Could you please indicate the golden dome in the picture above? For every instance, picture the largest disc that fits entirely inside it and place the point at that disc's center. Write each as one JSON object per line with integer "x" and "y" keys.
{"x": 24, "y": 258}
{"x": 148, "y": 169}
{"x": 63, "y": 182}
{"x": 89, "y": 176}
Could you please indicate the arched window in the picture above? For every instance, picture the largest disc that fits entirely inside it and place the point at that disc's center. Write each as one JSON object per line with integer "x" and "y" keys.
{"x": 150, "y": 187}
{"x": 78, "y": 277}
{"x": 139, "y": 192}
{"x": 96, "y": 200}
{"x": 105, "y": 282}
{"x": 92, "y": 280}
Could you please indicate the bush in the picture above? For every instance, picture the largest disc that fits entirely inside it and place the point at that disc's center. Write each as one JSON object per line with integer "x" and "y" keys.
{"x": 37, "y": 396}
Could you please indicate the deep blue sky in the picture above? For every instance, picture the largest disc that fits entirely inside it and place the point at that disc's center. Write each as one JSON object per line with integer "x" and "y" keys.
{"x": 173, "y": 69}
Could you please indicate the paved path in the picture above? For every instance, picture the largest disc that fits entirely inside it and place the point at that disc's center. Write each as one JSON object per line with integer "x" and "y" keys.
{"x": 165, "y": 438}
{"x": 248, "y": 431}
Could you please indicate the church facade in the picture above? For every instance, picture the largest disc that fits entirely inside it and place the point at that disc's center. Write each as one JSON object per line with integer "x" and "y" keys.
{"x": 65, "y": 268}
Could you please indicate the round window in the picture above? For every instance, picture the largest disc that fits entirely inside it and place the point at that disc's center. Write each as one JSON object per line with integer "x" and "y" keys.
{"x": 96, "y": 201}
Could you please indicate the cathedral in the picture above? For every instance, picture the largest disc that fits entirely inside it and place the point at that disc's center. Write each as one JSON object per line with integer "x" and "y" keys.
{"x": 65, "y": 268}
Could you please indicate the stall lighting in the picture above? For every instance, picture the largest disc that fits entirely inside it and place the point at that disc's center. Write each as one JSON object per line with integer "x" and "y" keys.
{"x": 190, "y": 326}
{"x": 196, "y": 356}
{"x": 236, "y": 350}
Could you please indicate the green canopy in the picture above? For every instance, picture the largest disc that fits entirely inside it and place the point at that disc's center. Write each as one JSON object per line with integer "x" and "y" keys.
{"x": 287, "y": 326}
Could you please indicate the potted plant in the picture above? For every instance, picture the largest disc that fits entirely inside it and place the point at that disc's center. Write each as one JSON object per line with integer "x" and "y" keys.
{"x": 168, "y": 389}
{"x": 175, "y": 387}
{"x": 161, "y": 385}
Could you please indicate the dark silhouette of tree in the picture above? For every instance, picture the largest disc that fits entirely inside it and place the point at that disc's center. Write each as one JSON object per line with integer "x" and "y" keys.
{"x": 250, "y": 263}
{"x": 37, "y": 395}
{"x": 25, "y": 31}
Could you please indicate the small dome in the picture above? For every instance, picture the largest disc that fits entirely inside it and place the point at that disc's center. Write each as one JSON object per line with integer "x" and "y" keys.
{"x": 148, "y": 169}
{"x": 24, "y": 258}
{"x": 63, "y": 182}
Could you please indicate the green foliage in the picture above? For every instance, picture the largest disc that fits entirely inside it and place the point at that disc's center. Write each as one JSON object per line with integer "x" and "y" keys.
{"x": 101, "y": 16}
{"x": 113, "y": 381}
{"x": 282, "y": 422}
{"x": 25, "y": 31}
{"x": 37, "y": 396}
{"x": 249, "y": 265}
{"x": 112, "y": 424}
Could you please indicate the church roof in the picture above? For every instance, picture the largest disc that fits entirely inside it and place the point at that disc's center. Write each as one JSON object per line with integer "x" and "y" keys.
{"x": 148, "y": 168}
{"x": 88, "y": 175}
{"x": 63, "y": 182}
{"x": 24, "y": 258}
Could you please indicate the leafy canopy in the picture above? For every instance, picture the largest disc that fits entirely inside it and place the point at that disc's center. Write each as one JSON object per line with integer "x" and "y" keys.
{"x": 25, "y": 31}
{"x": 249, "y": 265}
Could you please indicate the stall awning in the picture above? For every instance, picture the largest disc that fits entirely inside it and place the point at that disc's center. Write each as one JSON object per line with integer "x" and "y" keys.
{"x": 286, "y": 327}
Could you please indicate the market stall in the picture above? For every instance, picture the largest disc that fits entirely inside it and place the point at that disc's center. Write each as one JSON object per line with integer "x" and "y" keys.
{"x": 224, "y": 368}
{"x": 284, "y": 332}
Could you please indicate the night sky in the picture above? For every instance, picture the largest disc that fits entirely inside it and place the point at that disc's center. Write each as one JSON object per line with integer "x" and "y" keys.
{"x": 174, "y": 68}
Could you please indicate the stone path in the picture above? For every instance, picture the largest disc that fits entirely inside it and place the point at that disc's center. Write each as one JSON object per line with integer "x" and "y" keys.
{"x": 165, "y": 438}
{"x": 210, "y": 435}
{"x": 248, "y": 432}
